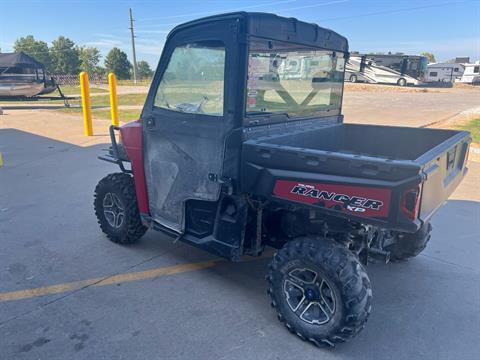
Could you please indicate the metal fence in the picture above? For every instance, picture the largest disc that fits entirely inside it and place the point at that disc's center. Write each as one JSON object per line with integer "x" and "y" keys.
{"x": 74, "y": 80}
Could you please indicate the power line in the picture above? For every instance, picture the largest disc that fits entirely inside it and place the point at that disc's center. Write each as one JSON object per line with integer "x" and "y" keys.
{"x": 313, "y": 5}
{"x": 218, "y": 11}
{"x": 246, "y": 7}
{"x": 395, "y": 10}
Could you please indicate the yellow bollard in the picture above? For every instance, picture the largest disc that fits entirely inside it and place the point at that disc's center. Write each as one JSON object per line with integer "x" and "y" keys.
{"x": 1, "y": 160}
{"x": 112, "y": 86}
{"x": 87, "y": 111}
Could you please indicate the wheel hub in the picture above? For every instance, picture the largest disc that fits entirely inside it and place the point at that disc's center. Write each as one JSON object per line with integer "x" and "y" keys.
{"x": 309, "y": 296}
{"x": 113, "y": 210}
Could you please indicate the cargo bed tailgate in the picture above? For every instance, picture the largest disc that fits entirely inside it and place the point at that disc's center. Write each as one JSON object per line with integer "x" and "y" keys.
{"x": 444, "y": 167}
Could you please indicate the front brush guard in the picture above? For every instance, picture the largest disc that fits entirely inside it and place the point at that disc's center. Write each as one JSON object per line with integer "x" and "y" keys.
{"x": 116, "y": 153}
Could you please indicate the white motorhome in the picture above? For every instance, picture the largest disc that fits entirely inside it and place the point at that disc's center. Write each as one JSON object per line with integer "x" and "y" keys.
{"x": 444, "y": 72}
{"x": 388, "y": 69}
{"x": 471, "y": 75}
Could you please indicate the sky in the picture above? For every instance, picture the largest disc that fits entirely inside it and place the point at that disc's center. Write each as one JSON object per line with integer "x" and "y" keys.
{"x": 447, "y": 28}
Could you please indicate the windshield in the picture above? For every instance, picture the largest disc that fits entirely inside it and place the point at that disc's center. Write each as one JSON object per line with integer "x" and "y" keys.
{"x": 417, "y": 67}
{"x": 423, "y": 67}
{"x": 292, "y": 79}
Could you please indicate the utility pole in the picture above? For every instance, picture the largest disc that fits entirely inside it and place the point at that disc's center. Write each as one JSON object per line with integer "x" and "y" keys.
{"x": 133, "y": 49}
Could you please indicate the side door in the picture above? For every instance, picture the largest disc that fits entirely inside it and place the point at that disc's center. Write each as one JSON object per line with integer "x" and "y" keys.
{"x": 186, "y": 120}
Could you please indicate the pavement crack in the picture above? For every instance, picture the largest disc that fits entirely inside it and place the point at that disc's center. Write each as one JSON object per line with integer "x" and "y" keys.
{"x": 451, "y": 263}
{"x": 441, "y": 120}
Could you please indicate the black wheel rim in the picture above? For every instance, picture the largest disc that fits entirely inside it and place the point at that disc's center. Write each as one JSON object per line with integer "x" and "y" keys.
{"x": 113, "y": 210}
{"x": 309, "y": 296}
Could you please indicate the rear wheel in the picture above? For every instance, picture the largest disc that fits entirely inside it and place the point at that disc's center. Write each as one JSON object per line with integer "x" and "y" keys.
{"x": 402, "y": 82}
{"x": 117, "y": 210}
{"x": 320, "y": 290}
{"x": 353, "y": 78}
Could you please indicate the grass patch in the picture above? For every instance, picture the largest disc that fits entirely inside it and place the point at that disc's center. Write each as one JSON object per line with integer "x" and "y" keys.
{"x": 75, "y": 90}
{"x": 101, "y": 106}
{"x": 125, "y": 115}
{"x": 125, "y": 99}
{"x": 104, "y": 100}
{"x": 474, "y": 127}
{"x": 144, "y": 82}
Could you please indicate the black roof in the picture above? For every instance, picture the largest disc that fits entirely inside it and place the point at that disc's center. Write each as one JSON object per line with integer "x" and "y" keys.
{"x": 19, "y": 59}
{"x": 279, "y": 28}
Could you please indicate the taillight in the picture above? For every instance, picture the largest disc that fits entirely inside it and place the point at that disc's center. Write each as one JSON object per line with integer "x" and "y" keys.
{"x": 410, "y": 202}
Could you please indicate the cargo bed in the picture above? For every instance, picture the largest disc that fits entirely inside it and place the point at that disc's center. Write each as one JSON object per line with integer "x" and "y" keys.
{"x": 362, "y": 159}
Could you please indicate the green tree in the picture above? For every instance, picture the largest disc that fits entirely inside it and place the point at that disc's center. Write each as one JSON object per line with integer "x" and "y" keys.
{"x": 89, "y": 58}
{"x": 143, "y": 70}
{"x": 430, "y": 57}
{"x": 100, "y": 70}
{"x": 117, "y": 62}
{"x": 36, "y": 49}
{"x": 65, "y": 56}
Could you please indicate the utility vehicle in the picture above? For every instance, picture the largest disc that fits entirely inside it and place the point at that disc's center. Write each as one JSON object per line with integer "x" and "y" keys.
{"x": 230, "y": 157}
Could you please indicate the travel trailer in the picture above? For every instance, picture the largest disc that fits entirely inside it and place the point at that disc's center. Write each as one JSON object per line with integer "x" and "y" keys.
{"x": 471, "y": 75}
{"x": 388, "y": 69}
{"x": 444, "y": 72}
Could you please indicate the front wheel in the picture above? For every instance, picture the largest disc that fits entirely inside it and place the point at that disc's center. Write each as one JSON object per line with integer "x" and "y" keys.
{"x": 353, "y": 78}
{"x": 117, "y": 210}
{"x": 402, "y": 82}
{"x": 320, "y": 290}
